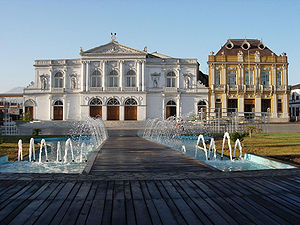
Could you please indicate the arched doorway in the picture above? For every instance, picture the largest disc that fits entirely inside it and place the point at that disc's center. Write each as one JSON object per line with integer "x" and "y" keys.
{"x": 96, "y": 108}
{"x": 130, "y": 109}
{"x": 171, "y": 109}
{"x": 201, "y": 107}
{"x": 58, "y": 110}
{"x": 29, "y": 109}
{"x": 113, "y": 109}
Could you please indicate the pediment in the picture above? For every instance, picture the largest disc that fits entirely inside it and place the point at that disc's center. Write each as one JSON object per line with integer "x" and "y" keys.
{"x": 113, "y": 48}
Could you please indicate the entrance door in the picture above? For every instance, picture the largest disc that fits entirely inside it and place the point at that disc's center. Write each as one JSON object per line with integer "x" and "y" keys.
{"x": 130, "y": 112}
{"x": 265, "y": 105}
{"x": 29, "y": 111}
{"x": 250, "y": 108}
{"x": 170, "y": 111}
{"x": 58, "y": 113}
{"x": 96, "y": 111}
{"x": 113, "y": 113}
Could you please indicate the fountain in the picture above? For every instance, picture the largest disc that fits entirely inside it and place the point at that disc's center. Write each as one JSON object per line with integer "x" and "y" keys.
{"x": 201, "y": 139}
{"x": 226, "y": 135}
{"x": 58, "y": 152}
{"x": 183, "y": 149}
{"x": 31, "y": 150}
{"x": 237, "y": 143}
{"x": 20, "y": 151}
{"x": 43, "y": 143}
{"x": 212, "y": 147}
{"x": 68, "y": 146}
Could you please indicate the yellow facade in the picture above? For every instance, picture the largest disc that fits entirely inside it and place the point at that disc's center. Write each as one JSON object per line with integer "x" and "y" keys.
{"x": 253, "y": 80}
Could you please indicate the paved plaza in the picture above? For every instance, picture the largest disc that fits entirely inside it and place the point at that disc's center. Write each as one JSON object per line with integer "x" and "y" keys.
{"x": 135, "y": 181}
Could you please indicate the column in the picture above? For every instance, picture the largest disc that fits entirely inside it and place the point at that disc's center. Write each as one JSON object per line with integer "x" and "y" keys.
{"x": 285, "y": 76}
{"x": 50, "y": 79}
{"x": 212, "y": 72}
{"x": 163, "y": 108}
{"x": 224, "y": 105}
{"x": 64, "y": 108}
{"x": 143, "y": 75}
{"x": 242, "y": 71}
{"x": 83, "y": 75}
{"x": 274, "y": 77}
{"x": 122, "y": 111}
{"x": 138, "y": 65}
{"x": 212, "y": 102}
{"x": 241, "y": 103}
{"x": 258, "y": 105}
{"x": 274, "y": 106}
{"x": 104, "y": 112}
{"x": 178, "y": 79}
{"x": 50, "y": 108}
{"x": 121, "y": 74}
{"x": 65, "y": 79}
{"x": 257, "y": 75}
{"x": 224, "y": 75}
{"x": 104, "y": 78}
{"x": 178, "y": 113}
{"x": 239, "y": 82}
{"x": 87, "y": 76}
{"x": 286, "y": 106}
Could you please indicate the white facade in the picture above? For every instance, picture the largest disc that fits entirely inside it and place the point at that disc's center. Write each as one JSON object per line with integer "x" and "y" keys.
{"x": 114, "y": 72}
{"x": 295, "y": 103}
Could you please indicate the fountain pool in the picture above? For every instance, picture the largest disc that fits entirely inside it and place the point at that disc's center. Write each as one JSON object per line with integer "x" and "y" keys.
{"x": 167, "y": 132}
{"x": 60, "y": 154}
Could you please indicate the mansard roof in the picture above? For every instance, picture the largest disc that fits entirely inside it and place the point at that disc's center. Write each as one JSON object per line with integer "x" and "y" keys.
{"x": 237, "y": 46}
{"x": 112, "y": 48}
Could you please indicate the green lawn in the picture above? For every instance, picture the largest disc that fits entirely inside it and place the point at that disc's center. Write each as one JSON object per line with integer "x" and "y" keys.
{"x": 10, "y": 145}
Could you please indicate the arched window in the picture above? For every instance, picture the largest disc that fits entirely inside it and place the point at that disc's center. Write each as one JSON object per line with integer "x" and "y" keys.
{"x": 113, "y": 79}
{"x": 95, "y": 102}
{"x": 96, "y": 79}
{"x": 130, "y": 79}
{"x": 171, "y": 79}
{"x": 171, "y": 103}
{"x": 113, "y": 101}
{"x": 58, "y": 103}
{"x": 130, "y": 102}
{"x": 58, "y": 80}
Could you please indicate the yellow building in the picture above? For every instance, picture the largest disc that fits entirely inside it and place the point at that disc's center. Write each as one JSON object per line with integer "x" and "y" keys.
{"x": 247, "y": 77}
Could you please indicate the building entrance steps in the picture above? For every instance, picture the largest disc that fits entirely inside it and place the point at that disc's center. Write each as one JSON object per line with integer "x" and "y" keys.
{"x": 124, "y": 151}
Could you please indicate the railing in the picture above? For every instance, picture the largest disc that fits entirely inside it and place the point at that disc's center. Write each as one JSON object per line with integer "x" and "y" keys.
{"x": 113, "y": 89}
{"x": 95, "y": 89}
{"x": 58, "y": 90}
{"x": 170, "y": 89}
{"x": 130, "y": 88}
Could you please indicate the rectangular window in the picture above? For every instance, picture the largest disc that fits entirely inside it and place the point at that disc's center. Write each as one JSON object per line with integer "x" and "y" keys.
{"x": 130, "y": 82}
{"x": 113, "y": 82}
{"x": 96, "y": 81}
{"x": 265, "y": 78}
{"x": 170, "y": 82}
{"x": 279, "y": 106}
{"x": 232, "y": 77}
{"x": 278, "y": 78}
{"x": 249, "y": 77}
{"x": 218, "y": 77}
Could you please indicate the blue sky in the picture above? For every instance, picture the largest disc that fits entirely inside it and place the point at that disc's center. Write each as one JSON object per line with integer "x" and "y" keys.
{"x": 188, "y": 29}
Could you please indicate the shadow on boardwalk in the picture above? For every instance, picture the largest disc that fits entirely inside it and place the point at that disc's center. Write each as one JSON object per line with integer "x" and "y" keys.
{"x": 134, "y": 181}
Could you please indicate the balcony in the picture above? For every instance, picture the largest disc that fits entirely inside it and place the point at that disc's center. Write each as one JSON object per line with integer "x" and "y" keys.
{"x": 58, "y": 90}
{"x": 130, "y": 88}
{"x": 170, "y": 89}
{"x": 218, "y": 87}
{"x": 266, "y": 88}
{"x": 96, "y": 89}
{"x": 249, "y": 87}
{"x": 113, "y": 89}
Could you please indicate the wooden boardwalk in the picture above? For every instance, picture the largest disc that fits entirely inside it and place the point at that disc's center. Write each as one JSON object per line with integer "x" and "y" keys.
{"x": 235, "y": 198}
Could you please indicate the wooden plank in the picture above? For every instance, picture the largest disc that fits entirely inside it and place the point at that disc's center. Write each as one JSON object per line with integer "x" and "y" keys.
{"x": 76, "y": 204}
{"x": 18, "y": 202}
{"x": 140, "y": 207}
{"x": 150, "y": 205}
{"x": 118, "y": 210}
{"x": 208, "y": 195}
{"x": 165, "y": 214}
{"x": 130, "y": 215}
{"x": 69, "y": 196}
{"x": 107, "y": 211}
{"x": 46, "y": 209}
{"x": 175, "y": 212}
{"x": 96, "y": 211}
{"x": 87, "y": 205}
{"x": 188, "y": 214}
{"x": 32, "y": 204}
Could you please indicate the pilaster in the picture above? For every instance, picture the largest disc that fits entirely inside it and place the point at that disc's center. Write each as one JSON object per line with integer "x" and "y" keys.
{"x": 122, "y": 110}
{"x": 87, "y": 75}
{"x": 143, "y": 75}
{"x": 104, "y": 76}
{"x": 121, "y": 74}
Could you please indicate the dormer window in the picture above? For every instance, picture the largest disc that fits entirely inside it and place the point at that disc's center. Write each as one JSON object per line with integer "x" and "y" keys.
{"x": 229, "y": 45}
{"x": 261, "y": 46}
{"x": 246, "y": 45}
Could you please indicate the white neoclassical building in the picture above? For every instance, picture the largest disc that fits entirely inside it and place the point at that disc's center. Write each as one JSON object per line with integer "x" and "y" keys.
{"x": 115, "y": 82}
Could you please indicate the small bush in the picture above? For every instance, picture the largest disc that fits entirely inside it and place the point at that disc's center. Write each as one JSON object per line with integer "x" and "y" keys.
{"x": 36, "y": 131}
{"x": 236, "y": 135}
